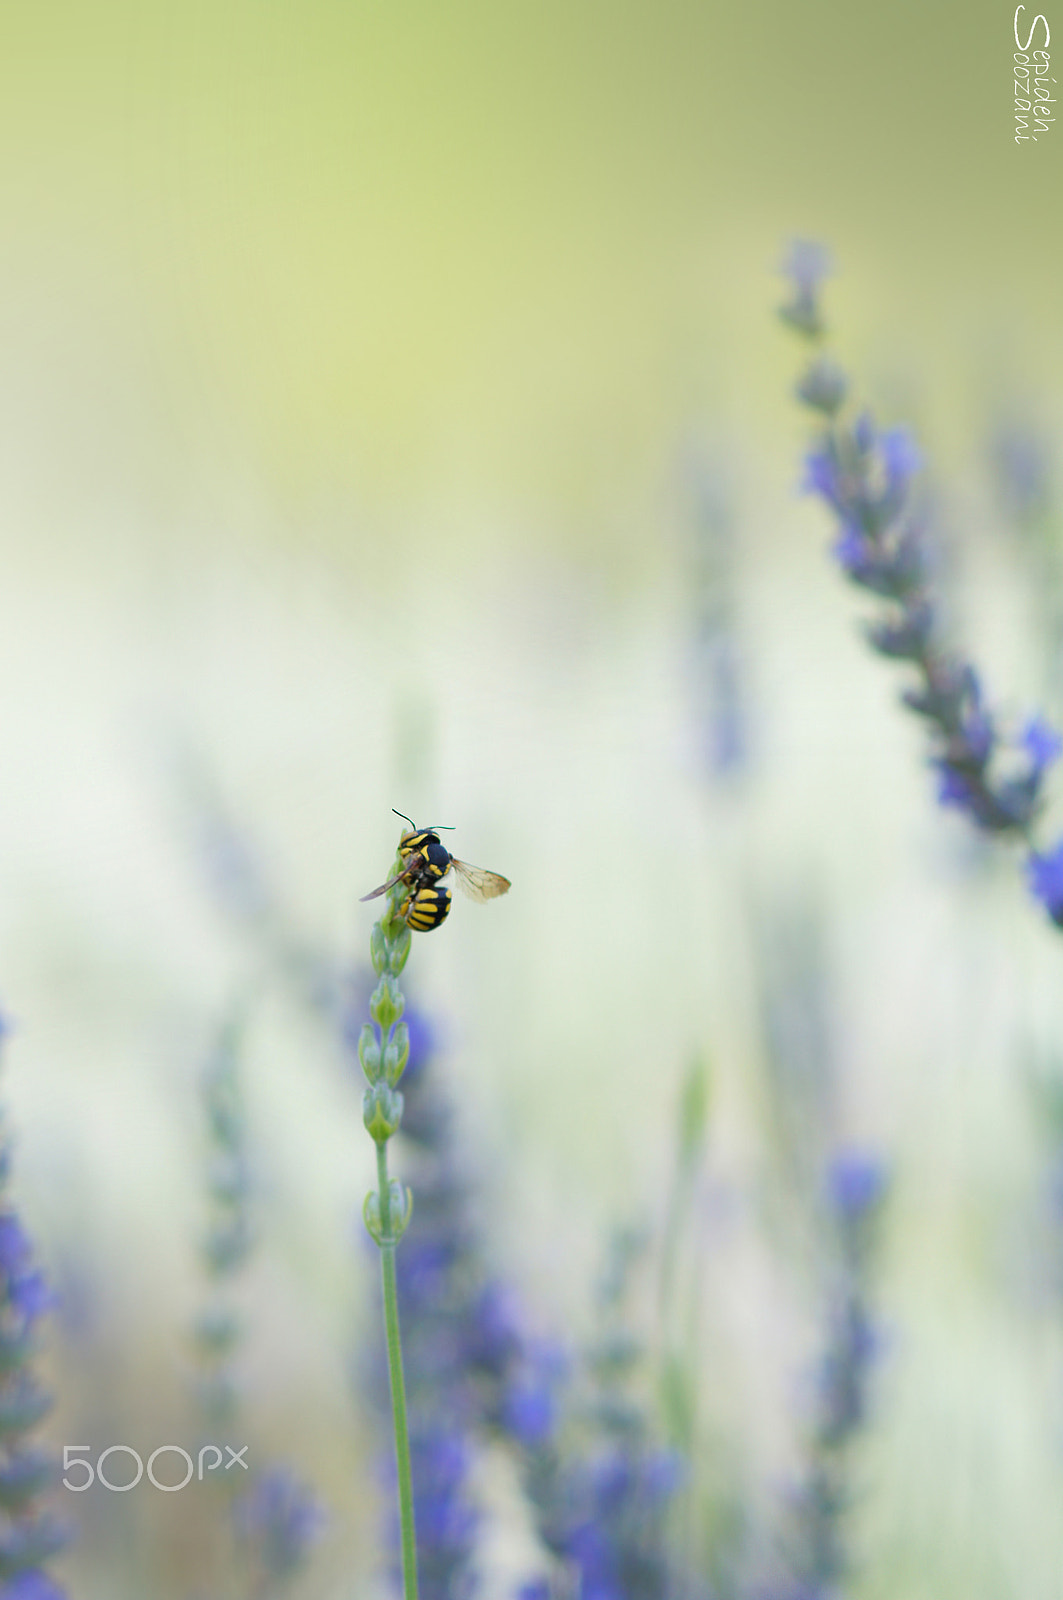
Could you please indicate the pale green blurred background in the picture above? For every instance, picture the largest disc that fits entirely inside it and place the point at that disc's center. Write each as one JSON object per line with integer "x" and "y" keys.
{"x": 349, "y": 356}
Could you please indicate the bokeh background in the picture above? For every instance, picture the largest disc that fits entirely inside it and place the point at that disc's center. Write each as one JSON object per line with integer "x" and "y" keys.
{"x": 387, "y": 397}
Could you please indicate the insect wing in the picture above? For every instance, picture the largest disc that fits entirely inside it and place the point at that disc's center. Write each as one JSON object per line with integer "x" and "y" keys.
{"x": 384, "y": 887}
{"x": 477, "y": 882}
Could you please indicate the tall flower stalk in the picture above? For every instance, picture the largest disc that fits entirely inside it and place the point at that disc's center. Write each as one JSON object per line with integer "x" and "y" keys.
{"x": 817, "y": 1554}
{"x": 831, "y": 1197}
{"x": 459, "y": 1344}
{"x": 718, "y": 666}
{"x": 865, "y": 475}
{"x": 383, "y": 1050}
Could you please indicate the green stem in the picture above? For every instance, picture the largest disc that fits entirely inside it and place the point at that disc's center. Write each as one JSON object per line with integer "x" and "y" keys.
{"x": 398, "y": 1382}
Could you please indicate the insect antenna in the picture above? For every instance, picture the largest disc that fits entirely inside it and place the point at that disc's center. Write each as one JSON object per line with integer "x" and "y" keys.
{"x": 437, "y": 827}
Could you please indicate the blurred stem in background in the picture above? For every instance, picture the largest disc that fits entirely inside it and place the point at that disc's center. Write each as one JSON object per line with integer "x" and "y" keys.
{"x": 829, "y": 1204}
{"x": 229, "y": 1234}
{"x": 718, "y": 665}
{"x": 1021, "y": 462}
{"x": 705, "y": 1520}
{"x": 241, "y": 882}
{"x": 278, "y": 1518}
{"x": 817, "y": 1554}
{"x": 822, "y": 1218}
{"x": 29, "y": 1533}
{"x": 383, "y": 1051}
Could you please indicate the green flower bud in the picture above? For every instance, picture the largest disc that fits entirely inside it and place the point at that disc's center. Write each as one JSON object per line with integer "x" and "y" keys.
{"x": 399, "y": 948}
{"x": 369, "y": 1052}
{"x": 397, "y": 1053}
{"x": 386, "y": 1004}
{"x": 381, "y": 1111}
{"x": 378, "y": 949}
{"x": 401, "y": 1201}
{"x": 371, "y": 1216}
{"x": 823, "y": 386}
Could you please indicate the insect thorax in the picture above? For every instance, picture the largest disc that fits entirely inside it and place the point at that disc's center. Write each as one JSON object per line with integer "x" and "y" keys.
{"x": 426, "y": 857}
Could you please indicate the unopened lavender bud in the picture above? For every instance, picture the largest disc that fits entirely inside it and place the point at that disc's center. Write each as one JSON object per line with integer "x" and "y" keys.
{"x": 381, "y": 1111}
{"x": 378, "y": 949}
{"x": 369, "y": 1052}
{"x": 401, "y": 1202}
{"x": 399, "y": 949}
{"x": 386, "y": 1004}
{"x": 397, "y": 1054}
{"x": 823, "y": 386}
{"x": 371, "y": 1216}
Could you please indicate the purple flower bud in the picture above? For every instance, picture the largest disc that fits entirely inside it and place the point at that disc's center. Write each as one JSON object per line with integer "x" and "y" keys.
{"x": 864, "y": 432}
{"x": 30, "y": 1297}
{"x": 807, "y": 264}
{"x": 823, "y": 386}
{"x": 855, "y": 554}
{"x": 31, "y": 1584}
{"x": 1041, "y": 742}
{"x": 280, "y": 1519}
{"x": 856, "y": 1182}
{"x": 528, "y": 1411}
{"x": 822, "y": 476}
{"x": 900, "y": 457}
{"x": 1044, "y": 874}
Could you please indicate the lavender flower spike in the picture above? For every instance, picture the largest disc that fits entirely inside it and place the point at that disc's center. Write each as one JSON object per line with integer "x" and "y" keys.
{"x": 278, "y": 1520}
{"x": 29, "y": 1534}
{"x": 817, "y": 1555}
{"x": 865, "y": 476}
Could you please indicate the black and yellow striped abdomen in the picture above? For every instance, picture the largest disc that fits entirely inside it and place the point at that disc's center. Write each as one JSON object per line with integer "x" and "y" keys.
{"x": 425, "y": 908}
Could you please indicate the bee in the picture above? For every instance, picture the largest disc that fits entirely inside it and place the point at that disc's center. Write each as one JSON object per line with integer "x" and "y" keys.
{"x": 425, "y": 860}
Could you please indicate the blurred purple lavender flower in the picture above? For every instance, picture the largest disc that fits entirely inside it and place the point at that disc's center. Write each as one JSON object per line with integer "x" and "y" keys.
{"x": 1044, "y": 874}
{"x": 29, "y": 1533}
{"x": 602, "y": 1499}
{"x": 865, "y": 475}
{"x": 830, "y": 1202}
{"x": 278, "y": 1521}
{"x": 31, "y": 1584}
{"x": 475, "y": 1373}
{"x": 815, "y": 1548}
{"x": 856, "y": 1183}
